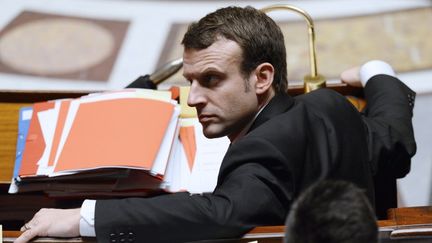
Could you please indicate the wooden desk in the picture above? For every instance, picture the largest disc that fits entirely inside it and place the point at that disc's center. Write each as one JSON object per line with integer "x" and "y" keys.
{"x": 412, "y": 225}
{"x": 407, "y": 223}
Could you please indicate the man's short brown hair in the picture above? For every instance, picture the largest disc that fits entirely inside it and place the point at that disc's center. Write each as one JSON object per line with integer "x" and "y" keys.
{"x": 258, "y": 36}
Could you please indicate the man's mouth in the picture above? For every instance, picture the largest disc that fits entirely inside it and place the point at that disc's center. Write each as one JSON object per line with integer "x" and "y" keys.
{"x": 205, "y": 118}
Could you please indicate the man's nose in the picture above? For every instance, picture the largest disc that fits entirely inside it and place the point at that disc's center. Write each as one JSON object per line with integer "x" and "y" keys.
{"x": 196, "y": 95}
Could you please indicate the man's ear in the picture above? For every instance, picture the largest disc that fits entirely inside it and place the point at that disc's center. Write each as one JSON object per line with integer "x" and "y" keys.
{"x": 264, "y": 74}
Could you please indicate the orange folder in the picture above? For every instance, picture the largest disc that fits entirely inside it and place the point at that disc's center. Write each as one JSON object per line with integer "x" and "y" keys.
{"x": 115, "y": 133}
{"x": 35, "y": 142}
{"x": 187, "y": 137}
{"x": 64, "y": 108}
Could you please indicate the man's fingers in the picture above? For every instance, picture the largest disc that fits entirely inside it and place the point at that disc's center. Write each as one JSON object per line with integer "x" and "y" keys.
{"x": 351, "y": 76}
{"x": 56, "y": 222}
{"x": 27, "y": 235}
{"x": 30, "y": 230}
{"x": 26, "y": 226}
{"x": 23, "y": 228}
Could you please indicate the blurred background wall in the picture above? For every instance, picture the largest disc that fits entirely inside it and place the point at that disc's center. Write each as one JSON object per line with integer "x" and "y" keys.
{"x": 106, "y": 44}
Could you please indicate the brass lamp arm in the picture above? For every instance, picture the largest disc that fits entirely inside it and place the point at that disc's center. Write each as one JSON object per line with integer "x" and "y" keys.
{"x": 314, "y": 81}
{"x": 311, "y": 31}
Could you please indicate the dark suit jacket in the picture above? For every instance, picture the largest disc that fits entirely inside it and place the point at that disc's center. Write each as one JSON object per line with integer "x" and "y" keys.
{"x": 292, "y": 143}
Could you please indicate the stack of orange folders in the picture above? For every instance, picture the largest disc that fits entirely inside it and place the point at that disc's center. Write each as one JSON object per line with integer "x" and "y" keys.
{"x": 112, "y": 143}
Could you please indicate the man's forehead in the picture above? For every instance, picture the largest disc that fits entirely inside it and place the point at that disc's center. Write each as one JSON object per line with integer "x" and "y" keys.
{"x": 221, "y": 53}
{"x": 220, "y": 47}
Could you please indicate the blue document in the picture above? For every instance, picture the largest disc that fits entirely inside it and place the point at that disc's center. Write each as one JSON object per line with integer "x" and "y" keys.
{"x": 25, "y": 115}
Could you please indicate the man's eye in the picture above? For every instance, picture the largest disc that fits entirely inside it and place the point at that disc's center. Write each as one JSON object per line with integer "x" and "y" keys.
{"x": 210, "y": 80}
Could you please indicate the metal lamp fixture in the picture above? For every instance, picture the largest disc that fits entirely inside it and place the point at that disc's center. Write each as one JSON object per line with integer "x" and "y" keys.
{"x": 314, "y": 80}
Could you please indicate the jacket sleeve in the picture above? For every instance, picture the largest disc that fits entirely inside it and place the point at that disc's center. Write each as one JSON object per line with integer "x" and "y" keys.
{"x": 388, "y": 116}
{"x": 247, "y": 195}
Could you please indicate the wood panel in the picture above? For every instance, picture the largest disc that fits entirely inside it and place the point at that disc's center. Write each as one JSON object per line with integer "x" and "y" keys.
{"x": 8, "y": 138}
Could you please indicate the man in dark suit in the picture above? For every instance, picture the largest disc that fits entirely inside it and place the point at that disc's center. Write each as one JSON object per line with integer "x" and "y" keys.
{"x": 236, "y": 62}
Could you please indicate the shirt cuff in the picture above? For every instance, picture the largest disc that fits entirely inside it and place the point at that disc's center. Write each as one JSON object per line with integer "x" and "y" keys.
{"x": 87, "y": 218}
{"x": 375, "y": 67}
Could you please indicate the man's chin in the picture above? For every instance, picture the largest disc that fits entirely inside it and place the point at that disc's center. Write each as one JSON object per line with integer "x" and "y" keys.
{"x": 212, "y": 133}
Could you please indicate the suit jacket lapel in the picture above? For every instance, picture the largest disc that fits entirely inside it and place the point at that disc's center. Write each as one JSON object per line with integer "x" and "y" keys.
{"x": 277, "y": 105}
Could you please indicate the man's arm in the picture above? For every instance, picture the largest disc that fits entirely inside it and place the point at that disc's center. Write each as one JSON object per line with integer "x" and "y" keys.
{"x": 244, "y": 200}
{"x": 387, "y": 116}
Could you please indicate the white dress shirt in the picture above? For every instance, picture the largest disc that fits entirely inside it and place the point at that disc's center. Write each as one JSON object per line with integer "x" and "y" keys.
{"x": 367, "y": 71}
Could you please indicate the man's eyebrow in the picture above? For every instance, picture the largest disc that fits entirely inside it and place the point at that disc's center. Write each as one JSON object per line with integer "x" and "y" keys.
{"x": 206, "y": 71}
{"x": 210, "y": 70}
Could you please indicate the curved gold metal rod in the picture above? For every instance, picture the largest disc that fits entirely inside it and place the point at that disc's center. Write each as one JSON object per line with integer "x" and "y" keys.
{"x": 314, "y": 80}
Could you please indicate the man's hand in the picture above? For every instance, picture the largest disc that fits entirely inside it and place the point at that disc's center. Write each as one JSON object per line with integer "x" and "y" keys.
{"x": 51, "y": 222}
{"x": 351, "y": 77}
